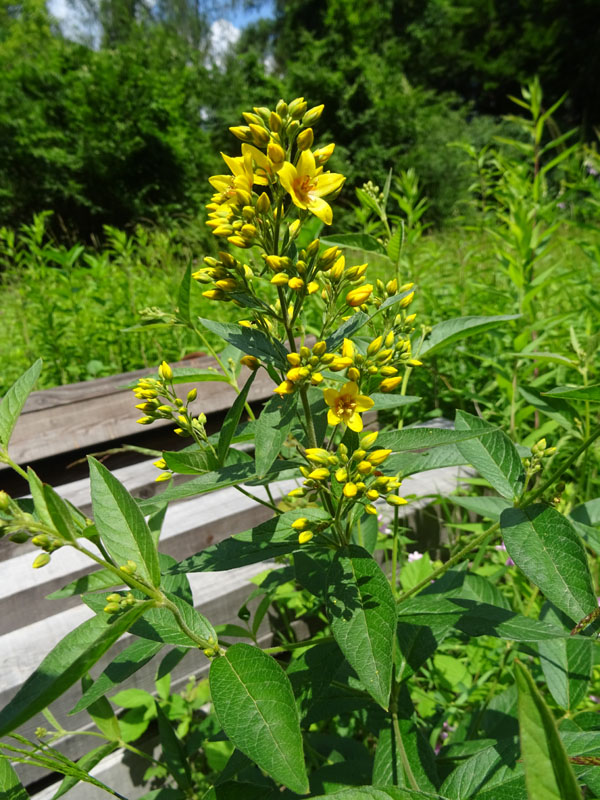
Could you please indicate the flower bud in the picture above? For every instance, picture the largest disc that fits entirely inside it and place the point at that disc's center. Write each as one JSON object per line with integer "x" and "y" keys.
{"x": 165, "y": 371}
{"x": 41, "y": 561}
{"x": 350, "y": 490}
{"x": 300, "y": 524}
{"x": 395, "y": 500}
{"x": 305, "y": 537}
{"x": 281, "y": 108}
{"x": 312, "y": 115}
{"x": 375, "y": 346}
{"x": 407, "y": 300}
{"x": 242, "y": 132}
{"x": 275, "y": 121}
{"x": 323, "y": 154}
{"x": 320, "y": 474}
{"x": 260, "y": 136}
{"x": 263, "y": 204}
{"x": 4, "y": 501}
{"x": 296, "y": 283}
{"x": 377, "y": 457}
{"x": 297, "y": 108}
{"x": 192, "y": 395}
{"x": 281, "y": 279}
{"x": 250, "y": 361}
{"x": 305, "y": 139}
{"x": 368, "y": 440}
{"x": 294, "y": 229}
{"x": 356, "y": 297}
{"x": 276, "y": 153}
{"x": 389, "y": 384}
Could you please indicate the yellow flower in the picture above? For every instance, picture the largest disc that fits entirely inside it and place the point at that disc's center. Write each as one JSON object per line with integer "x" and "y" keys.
{"x": 307, "y": 185}
{"x": 356, "y": 297}
{"x": 241, "y": 177}
{"x": 346, "y": 406}
{"x": 389, "y": 384}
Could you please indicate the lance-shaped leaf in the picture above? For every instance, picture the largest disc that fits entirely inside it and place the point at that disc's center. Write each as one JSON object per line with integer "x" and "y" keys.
{"x": 13, "y": 401}
{"x": 232, "y": 419}
{"x": 451, "y": 330}
{"x": 173, "y": 751}
{"x": 379, "y": 793}
{"x": 129, "y": 661}
{"x": 548, "y": 773}
{"x": 121, "y": 524}
{"x": 186, "y": 375}
{"x": 423, "y": 438}
{"x": 71, "y": 658}
{"x": 493, "y": 456}
{"x": 101, "y": 579}
{"x": 85, "y": 763}
{"x": 491, "y": 768}
{"x": 273, "y": 538}
{"x": 411, "y": 462}
{"x": 219, "y": 479}
{"x": 255, "y": 704}
{"x": 250, "y": 341}
{"x": 544, "y": 545}
{"x": 589, "y": 393}
{"x": 346, "y": 330}
{"x": 553, "y": 407}
{"x": 101, "y": 711}
{"x": 566, "y": 663}
{"x": 184, "y": 294}
{"x": 160, "y": 625}
{"x": 272, "y": 428}
{"x": 10, "y": 785}
{"x": 362, "y": 612}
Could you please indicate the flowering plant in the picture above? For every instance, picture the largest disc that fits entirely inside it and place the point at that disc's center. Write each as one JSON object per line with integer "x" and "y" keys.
{"x": 335, "y": 347}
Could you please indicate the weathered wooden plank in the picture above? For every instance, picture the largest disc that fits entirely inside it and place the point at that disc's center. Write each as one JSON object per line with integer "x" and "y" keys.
{"x": 85, "y": 422}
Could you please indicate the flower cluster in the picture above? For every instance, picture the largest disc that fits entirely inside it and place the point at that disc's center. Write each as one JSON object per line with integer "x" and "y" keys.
{"x": 161, "y": 402}
{"x": 350, "y": 478}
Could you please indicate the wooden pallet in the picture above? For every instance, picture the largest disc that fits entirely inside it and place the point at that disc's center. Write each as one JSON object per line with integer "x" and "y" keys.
{"x": 66, "y": 421}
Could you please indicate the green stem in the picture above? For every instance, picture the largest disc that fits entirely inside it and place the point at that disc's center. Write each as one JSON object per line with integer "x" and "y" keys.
{"x": 7, "y": 460}
{"x": 200, "y": 642}
{"x": 284, "y": 648}
{"x": 399, "y": 743}
{"x": 256, "y": 499}
{"x": 456, "y": 559}
{"x": 310, "y": 427}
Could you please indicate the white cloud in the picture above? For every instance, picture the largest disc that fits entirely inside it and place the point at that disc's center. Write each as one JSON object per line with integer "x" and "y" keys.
{"x": 223, "y": 35}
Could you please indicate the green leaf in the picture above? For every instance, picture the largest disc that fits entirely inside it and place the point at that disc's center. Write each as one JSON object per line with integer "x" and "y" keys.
{"x": 128, "y": 662}
{"x": 232, "y": 418}
{"x": 391, "y": 301}
{"x": 219, "y": 479}
{"x": 475, "y": 618}
{"x": 268, "y": 540}
{"x": 173, "y": 752}
{"x": 272, "y": 428}
{"x": 354, "y": 241}
{"x": 159, "y": 624}
{"x": 490, "y": 768}
{"x": 548, "y": 773}
{"x": 544, "y": 545}
{"x": 362, "y": 613}
{"x": 250, "y": 341}
{"x": 255, "y": 705}
{"x": 553, "y": 407}
{"x": 423, "y": 438}
{"x": 411, "y": 462}
{"x": 71, "y": 658}
{"x": 387, "y": 767}
{"x": 14, "y": 400}
{"x": 101, "y": 579}
{"x": 36, "y": 487}
{"x": 394, "y": 247}
{"x": 10, "y": 785}
{"x": 493, "y": 456}
{"x": 60, "y": 514}
{"x": 379, "y": 793}
{"x": 184, "y": 293}
{"x": 85, "y": 763}
{"x": 452, "y": 330}
{"x": 384, "y": 401}
{"x": 100, "y": 710}
{"x": 589, "y": 393}
{"x": 346, "y": 330}
{"x": 566, "y": 663}
{"x": 121, "y": 524}
{"x": 486, "y": 507}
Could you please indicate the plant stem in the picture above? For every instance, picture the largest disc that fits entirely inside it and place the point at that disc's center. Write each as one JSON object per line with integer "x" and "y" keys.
{"x": 256, "y": 499}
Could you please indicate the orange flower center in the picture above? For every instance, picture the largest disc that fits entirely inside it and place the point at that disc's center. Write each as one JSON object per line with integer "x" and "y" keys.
{"x": 303, "y": 187}
{"x": 345, "y": 407}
